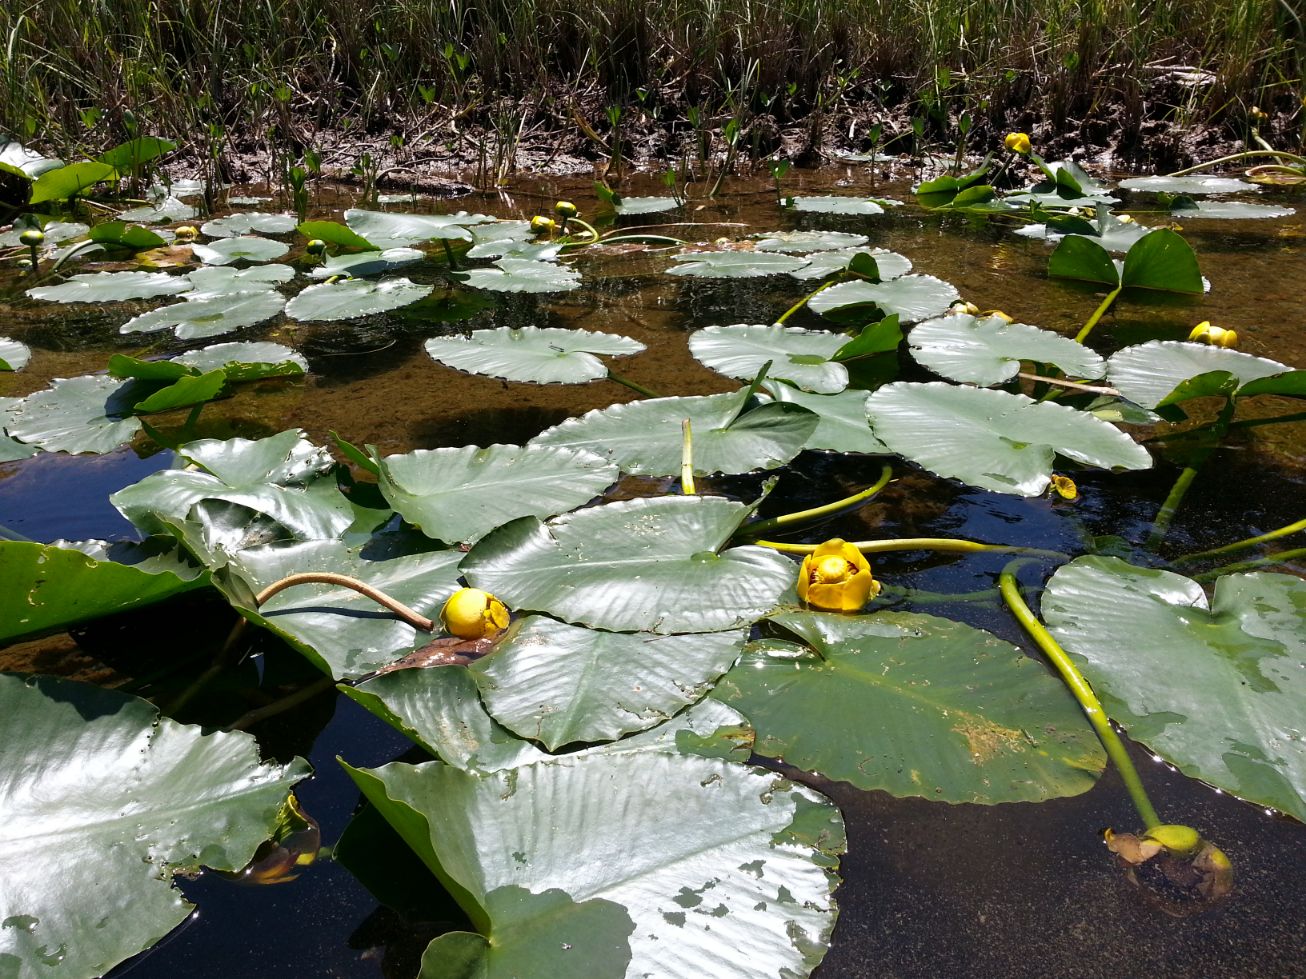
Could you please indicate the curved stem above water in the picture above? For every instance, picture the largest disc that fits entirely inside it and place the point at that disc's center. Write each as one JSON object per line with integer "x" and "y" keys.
{"x": 946, "y": 544}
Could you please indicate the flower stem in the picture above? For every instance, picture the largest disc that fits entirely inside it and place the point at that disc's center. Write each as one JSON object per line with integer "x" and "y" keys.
{"x": 947, "y": 544}
{"x": 800, "y": 517}
{"x": 1098, "y": 313}
{"x": 1240, "y": 545}
{"x": 1246, "y": 155}
{"x": 1279, "y": 557}
{"x": 1165, "y": 516}
{"x": 801, "y": 303}
{"x": 687, "y": 458}
{"x": 1083, "y": 693}
{"x": 627, "y": 382}
{"x": 416, "y": 619}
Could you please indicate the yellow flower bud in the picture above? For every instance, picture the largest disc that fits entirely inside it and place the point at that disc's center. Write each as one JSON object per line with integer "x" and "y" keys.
{"x": 32, "y": 237}
{"x": 1017, "y": 143}
{"x": 473, "y": 614}
{"x": 540, "y": 224}
{"x": 836, "y": 577}
{"x": 566, "y": 208}
{"x": 963, "y": 308}
{"x": 187, "y": 232}
{"x": 316, "y": 246}
{"x": 1216, "y": 336}
{"x": 996, "y": 314}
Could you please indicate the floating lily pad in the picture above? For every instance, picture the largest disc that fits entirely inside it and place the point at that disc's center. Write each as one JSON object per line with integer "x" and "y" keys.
{"x": 169, "y": 210}
{"x": 457, "y": 495}
{"x": 998, "y": 726}
{"x": 1231, "y": 211}
{"x": 843, "y": 425}
{"x": 246, "y": 361}
{"x": 646, "y": 565}
{"x": 1187, "y": 185}
{"x": 803, "y": 357}
{"x": 559, "y": 684}
{"x": 644, "y": 437}
{"x": 1109, "y": 231}
{"x": 105, "y": 802}
{"x": 340, "y": 631}
{"x": 834, "y": 204}
{"x": 995, "y": 440}
{"x": 110, "y": 287}
{"x": 511, "y": 239}
{"x": 1161, "y": 261}
{"x": 734, "y": 264}
{"x": 368, "y": 263}
{"x": 723, "y": 871}
{"x": 223, "y": 281}
{"x": 910, "y": 297}
{"x": 645, "y": 205}
{"x": 540, "y": 356}
{"x": 523, "y": 275}
{"x": 54, "y": 231}
{"x": 243, "y": 248}
{"x": 1150, "y": 374}
{"x": 803, "y": 242}
{"x": 13, "y": 354}
{"x": 353, "y": 298}
{"x": 11, "y": 450}
{"x": 249, "y": 223}
{"x": 386, "y": 229}
{"x": 196, "y": 319}
{"x": 76, "y": 414}
{"x": 890, "y": 265}
{"x": 989, "y": 350}
{"x": 1215, "y": 689}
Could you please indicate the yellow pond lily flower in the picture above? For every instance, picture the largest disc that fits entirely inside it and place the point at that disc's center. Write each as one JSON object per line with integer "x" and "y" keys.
{"x": 473, "y": 614}
{"x": 1216, "y": 336}
{"x": 1017, "y": 143}
{"x": 566, "y": 208}
{"x": 186, "y": 233}
{"x": 540, "y": 224}
{"x": 1065, "y": 487}
{"x": 836, "y": 577}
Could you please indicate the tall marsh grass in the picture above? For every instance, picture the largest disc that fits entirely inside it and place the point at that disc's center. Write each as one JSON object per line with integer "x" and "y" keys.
{"x": 79, "y": 72}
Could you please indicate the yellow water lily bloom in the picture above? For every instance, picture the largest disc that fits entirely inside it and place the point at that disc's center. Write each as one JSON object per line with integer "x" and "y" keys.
{"x": 186, "y": 232}
{"x": 836, "y": 577}
{"x": 1216, "y": 336}
{"x": 1017, "y": 143}
{"x": 1065, "y": 487}
{"x": 473, "y": 614}
{"x": 540, "y": 224}
{"x": 566, "y": 208}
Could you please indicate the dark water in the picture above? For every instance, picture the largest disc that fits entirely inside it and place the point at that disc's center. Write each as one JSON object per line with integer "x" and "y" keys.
{"x": 929, "y": 889}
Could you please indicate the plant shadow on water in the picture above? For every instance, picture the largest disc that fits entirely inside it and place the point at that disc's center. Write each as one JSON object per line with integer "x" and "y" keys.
{"x": 1018, "y": 889}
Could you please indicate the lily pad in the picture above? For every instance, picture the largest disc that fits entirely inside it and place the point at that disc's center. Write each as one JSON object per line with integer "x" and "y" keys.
{"x": 861, "y": 695}
{"x": 111, "y": 287}
{"x": 834, "y": 204}
{"x": 1231, "y": 211}
{"x": 105, "y": 802}
{"x": 460, "y": 494}
{"x": 645, "y": 205}
{"x": 168, "y": 210}
{"x": 54, "y": 231}
{"x": 13, "y": 354}
{"x": 76, "y": 414}
{"x": 220, "y": 280}
{"x": 890, "y": 265}
{"x": 534, "y": 354}
{"x": 243, "y": 248}
{"x": 646, "y": 565}
{"x": 720, "y": 872}
{"x": 910, "y": 297}
{"x": 803, "y": 357}
{"x": 69, "y": 181}
{"x": 803, "y": 242}
{"x": 368, "y": 263}
{"x": 560, "y": 684}
{"x": 353, "y": 298}
{"x": 1154, "y": 373}
{"x": 843, "y": 425}
{"x": 199, "y": 318}
{"x": 386, "y": 229}
{"x": 644, "y": 437}
{"x": 248, "y": 223}
{"x": 246, "y": 361}
{"x": 11, "y": 450}
{"x": 994, "y": 440}
{"x": 734, "y": 264}
{"x": 989, "y": 350}
{"x": 523, "y": 275}
{"x": 1187, "y": 185}
{"x": 1215, "y": 689}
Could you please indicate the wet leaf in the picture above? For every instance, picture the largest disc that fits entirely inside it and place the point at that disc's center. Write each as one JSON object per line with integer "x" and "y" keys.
{"x": 533, "y": 354}
{"x": 167, "y": 210}
{"x": 523, "y": 275}
{"x": 802, "y": 357}
{"x": 248, "y": 223}
{"x": 199, "y": 318}
{"x": 353, "y": 298}
{"x": 1187, "y": 185}
{"x": 804, "y": 242}
{"x": 109, "y": 287}
{"x": 889, "y": 265}
{"x": 843, "y": 425}
{"x": 989, "y": 350}
{"x": 13, "y": 354}
{"x": 367, "y": 263}
{"x": 77, "y": 414}
{"x": 834, "y": 204}
{"x": 388, "y": 229}
{"x": 910, "y": 297}
{"x": 242, "y": 248}
{"x": 734, "y": 264}
{"x": 1231, "y": 211}
{"x": 1170, "y": 371}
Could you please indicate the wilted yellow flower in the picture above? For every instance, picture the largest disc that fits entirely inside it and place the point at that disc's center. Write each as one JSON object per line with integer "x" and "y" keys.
{"x": 836, "y": 577}
{"x": 962, "y": 308}
{"x": 186, "y": 232}
{"x": 1017, "y": 143}
{"x": 472, "y": 614}
{"x": 996, "y": 314}
{"x": 1216, "y": 336}
{"x": 540, "y": 224}
{"x": 1065, "y": 487}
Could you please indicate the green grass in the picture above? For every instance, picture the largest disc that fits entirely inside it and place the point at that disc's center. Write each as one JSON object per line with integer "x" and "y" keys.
{"x": 78, "y": 74}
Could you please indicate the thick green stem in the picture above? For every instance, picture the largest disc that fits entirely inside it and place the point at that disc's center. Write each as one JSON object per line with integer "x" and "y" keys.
{"x": 637, "y": 388}
{"x": 416, "y": 619}
{"x": 687, "y": 458}
{"x": 946, "y": 544}
{"x": 1278, "y": 557}
{"x": 1098, "y": 313}
{"x": 801, "y": 517}
{"x": 448, "y": 253}
{"x": 1247, "y": 155}
{"x": 1247, "y": 542}
{"x": 1088, "y": 701}
{"x": 802, "y": 302}
{"x": 1165, "y": 516}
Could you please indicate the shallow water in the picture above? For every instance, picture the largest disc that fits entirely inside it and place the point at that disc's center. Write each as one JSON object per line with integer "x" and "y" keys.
{"x": 930, "y": 889}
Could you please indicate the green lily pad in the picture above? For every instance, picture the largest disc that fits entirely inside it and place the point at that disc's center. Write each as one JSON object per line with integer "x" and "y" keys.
{"x": 989, "y": 350}
{"x": 11, "y": 450}
{"x": 105, "y": 802}
{"x": 76, "y": 414}
{"x": 715, "y": 858}
{"x": 242, "y": 248}
{"x": 219, "y": 280}
{"x": 460, "y": 494}
{"x": 1109, "y": 231}
{"x": 199, "y": 318}
{"x": 645, "y": 205}
{"x": 352, "y": 298}
{"x": 386, "y": 229}
{"x": 646, "y": 565}
{"x": 644, "y": 437}
{"x": 994, "y": 440}
{"x": 523, "y": 275}
{"x": 534, "y": 354}
{"x": 843, "y": 425}
{"x": 1215, "y": 689}
{"x": 1155, "y": 373}
{"x": 119, "y": 234}
{"x": 511, "y": 239}
{"x": 167, "y": 210}
{"x": 560, "y": 684}
{"x": 803, "y": 242}
{"x": 27, "y": 162}
{"x": 1187, "y": 185}
{"x": 1161, "y": 260}
{"x": 1231, "y": 211}
{"x": 341, "y": 632}
{"x": 69, "y": 181}
{"x": 248, "y": 223}
{"x": 368, "y": 263}
{"x": 910, "y": 297}
{"x": 54, "y": 231}
{"x": 54, "y": 586}
{"x": 734, "y": 264}
{"x": 802, "y": 357}
{"x": 890, "y": 265}
{"x": 246, "y": 361}
{"x": 135, "y": 153}
{"x": 834, "y": 204}
{"x": 14, "y": 355}
{"x": 915, "y": 705}
{"x": 335, "y": 233}
{"x": 112, "y": 287}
